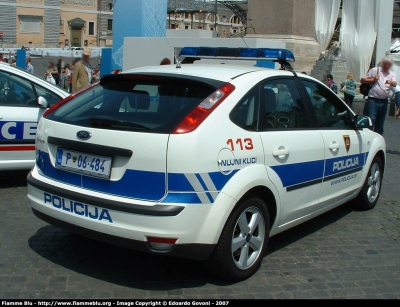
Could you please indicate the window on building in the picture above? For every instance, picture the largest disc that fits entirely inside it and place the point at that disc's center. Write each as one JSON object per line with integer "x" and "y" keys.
{"x": 109, "y": 24}
{"x": 91, "y": 28}
{"x": 186, "y": 27}
{"x": 235, "y": 20}
{"x": 30, "y": 24}
{"x": 62, "y": 27}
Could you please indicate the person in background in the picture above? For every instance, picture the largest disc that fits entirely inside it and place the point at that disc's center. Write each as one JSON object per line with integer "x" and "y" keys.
{"x": 2, "y": 59}
{"x": 82, "y": 75}
{"x": 14, "y": 61}
{"x": 52, "y": 69}
{"x": 66, "y": 76}
{"x": 71, "y": 69}
{"x": 331, "y": 84}
{"x": 60, "y": 79}
{"x": 165, "y": 61}
{"x": 29, "y": 66}
{"x": 349, "y": 88}
{"x": 396, "y": 95}
{"x": 381, "y": 78}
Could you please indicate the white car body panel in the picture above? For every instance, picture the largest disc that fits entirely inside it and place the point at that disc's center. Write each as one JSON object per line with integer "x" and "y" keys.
{"x": 201, "y": 168}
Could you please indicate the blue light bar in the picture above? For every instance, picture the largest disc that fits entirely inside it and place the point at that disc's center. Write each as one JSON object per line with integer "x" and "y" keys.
{"x": 260, "y": 54}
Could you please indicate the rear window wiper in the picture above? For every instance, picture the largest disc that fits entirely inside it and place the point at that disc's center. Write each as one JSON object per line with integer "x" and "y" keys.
{"x": 104, "y": 122}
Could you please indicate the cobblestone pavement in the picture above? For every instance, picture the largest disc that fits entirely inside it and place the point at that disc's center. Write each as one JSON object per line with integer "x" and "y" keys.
{"x": 341, "y": 254}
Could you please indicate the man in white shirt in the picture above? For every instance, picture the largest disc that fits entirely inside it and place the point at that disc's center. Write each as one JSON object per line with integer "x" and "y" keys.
{"x": 381, "y": 79}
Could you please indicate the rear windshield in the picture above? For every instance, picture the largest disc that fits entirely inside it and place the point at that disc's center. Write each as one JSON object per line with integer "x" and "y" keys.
{"x": 135, "y": 103}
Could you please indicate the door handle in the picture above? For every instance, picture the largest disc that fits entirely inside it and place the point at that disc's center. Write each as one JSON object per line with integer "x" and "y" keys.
{"x": 281, "y": 153}
{"x": 334, "y": 146}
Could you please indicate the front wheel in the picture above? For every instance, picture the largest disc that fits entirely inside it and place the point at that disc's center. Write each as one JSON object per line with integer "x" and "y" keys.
{"x": 243, "y": 241}
{"x": 371, "y": 189}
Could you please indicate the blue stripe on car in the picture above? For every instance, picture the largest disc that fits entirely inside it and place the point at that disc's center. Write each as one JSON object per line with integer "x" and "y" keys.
{"x": 329, "y": 165}
{"x": 182, "y": 198}
{"x": 134, "y": 183}
{"x": 152, "y": 185}
{"x": 292, "y": 174}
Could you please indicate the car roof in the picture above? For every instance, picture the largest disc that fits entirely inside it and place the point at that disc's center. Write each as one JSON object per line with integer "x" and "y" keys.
{"x": 219, "y": 72}
{"x": 20, "y": 72}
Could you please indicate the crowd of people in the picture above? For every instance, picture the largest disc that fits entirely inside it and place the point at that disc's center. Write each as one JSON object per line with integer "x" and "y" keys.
{"x": 73, "y": 76}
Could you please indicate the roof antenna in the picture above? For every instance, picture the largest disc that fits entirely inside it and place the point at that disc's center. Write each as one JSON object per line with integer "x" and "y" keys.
{"x": 178, "y": 63}
{"x": 244, "y": 42}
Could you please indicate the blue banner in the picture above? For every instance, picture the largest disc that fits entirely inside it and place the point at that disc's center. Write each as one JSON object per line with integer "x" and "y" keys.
{"x": 139, "y": 18}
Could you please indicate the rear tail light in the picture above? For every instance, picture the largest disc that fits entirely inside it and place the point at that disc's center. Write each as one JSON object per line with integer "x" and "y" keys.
{"x": 57, "y": 105}
{"x": 204, "y": 109}
{"x": 161, "y": 244}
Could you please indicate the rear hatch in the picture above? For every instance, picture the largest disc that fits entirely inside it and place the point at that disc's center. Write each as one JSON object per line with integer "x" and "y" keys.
{"x": 113, "y": 137}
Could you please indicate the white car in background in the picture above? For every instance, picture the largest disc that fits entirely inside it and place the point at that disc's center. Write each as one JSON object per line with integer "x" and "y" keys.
{"x": 23, "y": 100}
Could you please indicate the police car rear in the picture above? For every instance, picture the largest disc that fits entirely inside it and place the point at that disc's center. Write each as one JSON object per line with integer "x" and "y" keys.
{"x": 101, "y": 161}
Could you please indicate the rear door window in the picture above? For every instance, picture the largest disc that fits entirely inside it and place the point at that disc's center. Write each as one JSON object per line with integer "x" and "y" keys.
{"x": 135, "y": 103}
{"x": 282, "y": 106}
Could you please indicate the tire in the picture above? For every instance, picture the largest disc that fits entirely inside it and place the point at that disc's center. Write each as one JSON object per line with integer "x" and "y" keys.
{"x": 371, "y": 190}
{"x": 239, "y": 251}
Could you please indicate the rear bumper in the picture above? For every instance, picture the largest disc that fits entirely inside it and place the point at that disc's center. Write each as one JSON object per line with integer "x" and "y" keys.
{"x": 156, "y": 210}
{"x": 191, "y": 251}
{"x": 196, "y": 227}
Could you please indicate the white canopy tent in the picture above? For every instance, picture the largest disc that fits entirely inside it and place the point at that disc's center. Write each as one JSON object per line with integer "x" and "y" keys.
{"x": 326, "y": 15}
{"x": 358, "y": 34}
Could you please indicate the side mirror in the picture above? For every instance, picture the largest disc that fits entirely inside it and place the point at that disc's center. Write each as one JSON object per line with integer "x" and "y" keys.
{"x": 42, "y": 102}
{"x": 362, "y": 122}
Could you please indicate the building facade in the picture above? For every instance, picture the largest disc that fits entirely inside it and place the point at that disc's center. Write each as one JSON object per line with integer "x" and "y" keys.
{"x": 49, "y": 23}
{"x": 79, "y": 23}
{"x": 105, "y": 22}
{"x": 224, "y": 22}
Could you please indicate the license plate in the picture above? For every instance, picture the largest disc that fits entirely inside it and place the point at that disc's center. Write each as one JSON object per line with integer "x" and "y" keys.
{"x": 87, "y": 164}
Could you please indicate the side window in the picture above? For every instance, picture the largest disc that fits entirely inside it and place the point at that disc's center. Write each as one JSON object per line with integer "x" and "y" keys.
{"x": 330, "y": 111}
{"x": 282, "y": 106}
{"x": 48, "y": 95}
{"x": 16, "y": 91}
{"x": 246, "y": 112}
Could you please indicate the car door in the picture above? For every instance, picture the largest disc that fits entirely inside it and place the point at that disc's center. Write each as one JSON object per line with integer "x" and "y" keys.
{"x": 19, "y": 115}
{"x": 293, "y": 150}
{"x": 345, "y": 151}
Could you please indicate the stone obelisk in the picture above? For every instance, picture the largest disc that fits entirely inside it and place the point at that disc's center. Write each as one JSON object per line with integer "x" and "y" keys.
{"x": 288, "y": 21}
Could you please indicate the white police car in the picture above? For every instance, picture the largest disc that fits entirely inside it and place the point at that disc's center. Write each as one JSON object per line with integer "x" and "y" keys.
{"x": 204, "y": 162}
{"x": 23, "y": 99}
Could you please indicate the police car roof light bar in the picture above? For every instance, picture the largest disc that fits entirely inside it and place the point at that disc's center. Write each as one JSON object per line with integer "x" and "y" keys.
{"x": 260, "y": 54}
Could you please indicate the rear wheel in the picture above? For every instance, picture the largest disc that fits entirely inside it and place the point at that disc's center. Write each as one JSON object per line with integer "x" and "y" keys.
{"x": 371, "y": 189}
{"x": 243, "y": 241}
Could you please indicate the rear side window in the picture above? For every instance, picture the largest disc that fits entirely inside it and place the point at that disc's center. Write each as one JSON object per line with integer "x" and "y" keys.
{"x": 135, "y": 103}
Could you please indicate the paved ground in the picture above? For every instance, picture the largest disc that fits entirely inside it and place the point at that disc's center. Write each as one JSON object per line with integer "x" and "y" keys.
{"x": 342, "y": 254}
